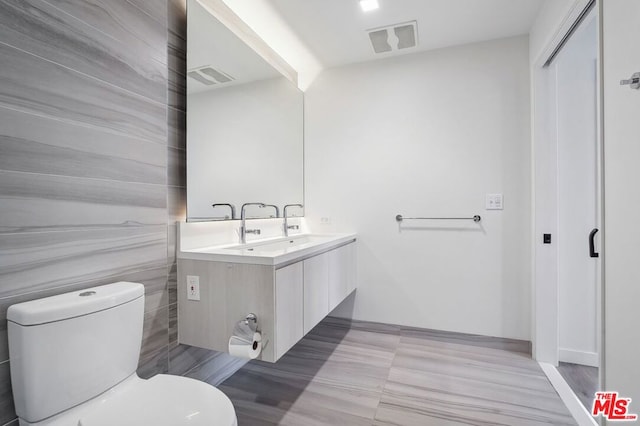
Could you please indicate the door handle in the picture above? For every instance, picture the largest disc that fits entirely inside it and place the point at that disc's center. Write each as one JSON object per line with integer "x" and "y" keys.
{"x": 592, "y": 249}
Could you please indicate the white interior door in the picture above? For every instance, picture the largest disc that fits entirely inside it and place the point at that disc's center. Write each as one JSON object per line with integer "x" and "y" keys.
{"x": 621, "y": 108}
{"x": 575, "y": 69}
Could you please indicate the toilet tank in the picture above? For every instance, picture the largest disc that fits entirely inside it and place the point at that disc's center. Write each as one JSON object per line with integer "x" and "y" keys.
{"x": 67, "y": 349}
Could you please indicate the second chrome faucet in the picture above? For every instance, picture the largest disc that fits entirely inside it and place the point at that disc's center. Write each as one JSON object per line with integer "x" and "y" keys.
{"x": 285, "y": 225}
{"x": 243, "y": 218}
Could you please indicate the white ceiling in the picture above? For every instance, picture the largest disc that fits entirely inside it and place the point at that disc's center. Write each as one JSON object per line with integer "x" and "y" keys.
{"x": 335, "y": 30}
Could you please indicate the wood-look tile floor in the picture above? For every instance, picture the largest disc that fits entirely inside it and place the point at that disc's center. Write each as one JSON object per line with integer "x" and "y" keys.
{"x": 582, "y": 379}
{"x": 357, "y": 373}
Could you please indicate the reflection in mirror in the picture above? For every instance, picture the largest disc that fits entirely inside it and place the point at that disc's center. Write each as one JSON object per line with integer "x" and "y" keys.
{"x": 244, "y": 125}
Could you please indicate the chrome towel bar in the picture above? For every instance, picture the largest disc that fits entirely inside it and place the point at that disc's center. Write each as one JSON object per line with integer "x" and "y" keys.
{"x": 475, "y": 218}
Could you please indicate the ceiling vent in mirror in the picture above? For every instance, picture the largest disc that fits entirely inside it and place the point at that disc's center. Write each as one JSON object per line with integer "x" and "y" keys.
{"x": 209, "y": 76}
{"x": 394, "y": 37}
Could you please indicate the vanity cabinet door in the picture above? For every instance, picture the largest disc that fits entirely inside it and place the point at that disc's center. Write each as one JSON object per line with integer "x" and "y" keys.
{"x": 338, "y": 276}
{"x": 289, "y": 307}
{"x": 342, "y": 268}
{"x": 352, "y": 267}
{"x": 316, "y": 290}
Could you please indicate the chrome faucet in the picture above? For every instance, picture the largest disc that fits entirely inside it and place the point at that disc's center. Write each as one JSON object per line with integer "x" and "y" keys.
{"x": 286, "y": 226}
{"x": 231, "y": 207}
{"x": 243, "y": 227}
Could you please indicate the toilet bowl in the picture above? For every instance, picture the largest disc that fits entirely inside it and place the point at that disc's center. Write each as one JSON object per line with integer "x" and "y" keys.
{"x": 163, "y": 400}
{"x": 73, "y": 363}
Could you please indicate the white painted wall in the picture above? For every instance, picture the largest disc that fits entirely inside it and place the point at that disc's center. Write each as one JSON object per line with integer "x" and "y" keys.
{"x": 621, "y": 20}
{"x": 269, "y": 25}
{"x": 577, "y": 192}
{"x": 428, "y": 134}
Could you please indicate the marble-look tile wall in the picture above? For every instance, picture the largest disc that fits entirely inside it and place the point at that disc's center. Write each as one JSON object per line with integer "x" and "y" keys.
{"x": 176, "y": 147}
{"x": 93, "y": 164}
{"x": 210, "y": 366}
{"x": 92, "y": 157}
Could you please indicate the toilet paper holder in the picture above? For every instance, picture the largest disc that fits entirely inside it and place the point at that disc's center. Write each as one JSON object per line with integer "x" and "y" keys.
{"x": 246, "y": 340}
{"x": 251, "y": 321}
{"x": 246, "y": 328}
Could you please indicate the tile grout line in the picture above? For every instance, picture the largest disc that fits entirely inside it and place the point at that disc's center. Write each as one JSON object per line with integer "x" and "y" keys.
{"x": 91, "y": 77}
{"x": 161, "y": 185}
{"x": 153, "y": 18}
{"x": 62, "y": 287}
{"x": 395, "y": 353}
{"x": 82, "y": 124}
{"x": 89, "y": 228}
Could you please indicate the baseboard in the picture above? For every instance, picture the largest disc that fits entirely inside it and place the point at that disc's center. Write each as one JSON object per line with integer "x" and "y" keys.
{"x": 503, "y": 343}
{"x": 571, "y": 401}
{"x": 579, "y": 357}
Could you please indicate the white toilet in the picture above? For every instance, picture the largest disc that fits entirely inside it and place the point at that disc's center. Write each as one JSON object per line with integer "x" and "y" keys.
{"x": 73, "y": 363}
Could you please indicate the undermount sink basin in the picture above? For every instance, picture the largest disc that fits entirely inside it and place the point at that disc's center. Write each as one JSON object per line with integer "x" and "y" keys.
{"x": 270, "y": 252}
{"x": 293, "y": 242}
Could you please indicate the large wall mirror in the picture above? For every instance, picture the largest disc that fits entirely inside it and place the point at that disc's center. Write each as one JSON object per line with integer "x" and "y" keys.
{"x": 244, "y": 123}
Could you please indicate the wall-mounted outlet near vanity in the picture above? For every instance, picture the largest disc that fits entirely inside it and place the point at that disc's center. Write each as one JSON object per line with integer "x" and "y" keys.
{"x": 291, "y": 284}
{"x": 193, "y": 287}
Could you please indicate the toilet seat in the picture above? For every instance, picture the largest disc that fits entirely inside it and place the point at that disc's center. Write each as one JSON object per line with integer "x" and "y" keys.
{"x": 164, "y": 400}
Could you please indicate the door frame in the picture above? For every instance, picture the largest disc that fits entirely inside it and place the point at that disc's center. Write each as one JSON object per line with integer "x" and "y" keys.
{"x": 545, "y": 301}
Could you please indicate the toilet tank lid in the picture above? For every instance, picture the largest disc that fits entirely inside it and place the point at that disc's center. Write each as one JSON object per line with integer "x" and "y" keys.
{"x": 74, "y": 304}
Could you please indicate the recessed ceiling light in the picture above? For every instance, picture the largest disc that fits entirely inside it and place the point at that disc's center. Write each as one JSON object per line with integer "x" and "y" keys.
{"x": 369, "y": 5}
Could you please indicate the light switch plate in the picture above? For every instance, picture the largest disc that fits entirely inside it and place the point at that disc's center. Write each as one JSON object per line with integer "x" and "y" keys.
{"x": 193, "y": 287}
{"x": 494, "y": 202}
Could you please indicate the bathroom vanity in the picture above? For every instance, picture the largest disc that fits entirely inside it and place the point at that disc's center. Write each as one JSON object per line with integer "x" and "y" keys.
{"x": 291, "y": 284}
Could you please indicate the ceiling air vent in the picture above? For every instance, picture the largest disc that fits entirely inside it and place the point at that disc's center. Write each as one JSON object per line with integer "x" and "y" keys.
{"x": 394, "y": 37}
{"x": 209, "y": 76}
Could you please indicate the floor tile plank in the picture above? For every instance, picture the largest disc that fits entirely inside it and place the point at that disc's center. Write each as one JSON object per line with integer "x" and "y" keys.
{"x": 582, "y": 379}
{"x": 355, "y": 373}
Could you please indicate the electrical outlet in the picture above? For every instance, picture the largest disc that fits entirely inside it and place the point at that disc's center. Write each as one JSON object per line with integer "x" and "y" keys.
{"x": 325, "y": 220}
{"x": 193, "y": 287}
{"x": 494, "y": 202}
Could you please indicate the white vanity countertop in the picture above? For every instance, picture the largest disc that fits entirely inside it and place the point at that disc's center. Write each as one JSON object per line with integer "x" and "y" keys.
{"x": 273, "y": 251}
